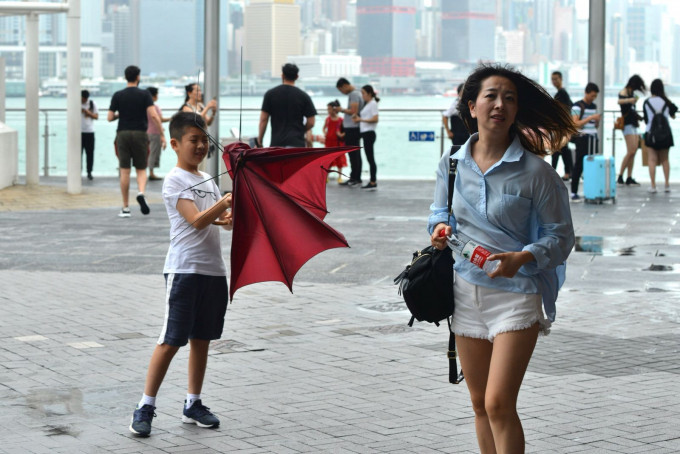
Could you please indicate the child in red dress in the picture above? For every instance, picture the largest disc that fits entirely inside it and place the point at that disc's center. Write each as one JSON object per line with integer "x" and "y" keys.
{"x": 334, "y": 133}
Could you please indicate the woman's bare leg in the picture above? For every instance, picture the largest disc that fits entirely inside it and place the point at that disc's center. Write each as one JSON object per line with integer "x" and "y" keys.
{"x": 475, "y": 359}
{"x": 509, "y": 361}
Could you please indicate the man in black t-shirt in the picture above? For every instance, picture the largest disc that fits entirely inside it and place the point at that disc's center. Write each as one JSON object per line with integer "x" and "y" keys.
{"x": 290, "y": 109}
{"x": 130, "y": 106}
{"x": 563, "y": 97}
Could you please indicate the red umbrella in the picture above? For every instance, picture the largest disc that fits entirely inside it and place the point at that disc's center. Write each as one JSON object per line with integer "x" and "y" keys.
{"x": 279, "y": 203}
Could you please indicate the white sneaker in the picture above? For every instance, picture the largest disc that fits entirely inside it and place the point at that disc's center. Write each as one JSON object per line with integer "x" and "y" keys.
{"x": 667, "y": 189}
{"x": 124, "y": 213}
{"x": 652, "y": 190}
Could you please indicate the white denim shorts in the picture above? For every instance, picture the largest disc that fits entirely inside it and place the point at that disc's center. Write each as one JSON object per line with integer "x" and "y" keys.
{"x": 630, "y": 130}
{"x": 484, "y": 313}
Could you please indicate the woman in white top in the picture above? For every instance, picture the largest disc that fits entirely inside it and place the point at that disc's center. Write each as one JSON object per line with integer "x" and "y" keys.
{"x": 368, "y": 121}
{"x": 192, "y": 103}
{"x": 658, "y": 103}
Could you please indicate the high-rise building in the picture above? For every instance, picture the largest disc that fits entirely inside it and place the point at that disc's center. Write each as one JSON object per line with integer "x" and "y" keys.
{"x": 335, "y": 10}
{"x": 468, "y": 28}
{"x": 428, "y": 30}
{"x": 121, "y": 23}
{"x": 562, "y": 31}
{"x": 644, "y": 29}
{"x": 386, "y": 30}
{"x": 272, "y": 33}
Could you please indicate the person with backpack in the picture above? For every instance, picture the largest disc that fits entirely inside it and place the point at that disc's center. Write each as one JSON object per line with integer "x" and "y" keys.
{"x": 512, "y": 202}
{"x": 658, "y": 136}
{"x": 631, "y": 120}
{"x": 89, "y": 113}
{"x": 584, "y": 113}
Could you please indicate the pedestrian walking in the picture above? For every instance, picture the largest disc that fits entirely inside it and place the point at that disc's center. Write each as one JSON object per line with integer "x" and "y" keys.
{"x": 368, "y": 122}
{"x": 508, "y": 199}
{"x": 132, "y": 107}
{"x": 658, "y": 104}
{"x": 631, "y": 120}
{"x": 355, "y": 103}
{"x": 585, "y": 116}
{"x": 89, "y": 113}
{"x": 457, "y": 131}
{"x": 290, "y": 110}
{"x": 196, "y": 276}
{"x": 156, "y": 137}
{"x": 563, "y": 97}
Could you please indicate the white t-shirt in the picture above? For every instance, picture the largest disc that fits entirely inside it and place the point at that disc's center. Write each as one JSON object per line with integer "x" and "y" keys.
{"x": 191, "y": 250}
{"x": 87, "y": 123}
{"x": 452, "y": 110}
{"x": 657, "y": 103}
{"x": 370, "y": 110}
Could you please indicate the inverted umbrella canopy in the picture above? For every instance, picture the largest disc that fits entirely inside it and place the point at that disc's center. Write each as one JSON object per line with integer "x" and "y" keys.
{"x": 279, "y": 203}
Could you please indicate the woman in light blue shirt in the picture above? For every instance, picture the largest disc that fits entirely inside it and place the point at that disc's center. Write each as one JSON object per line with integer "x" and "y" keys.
{"x": 512, "y": 202}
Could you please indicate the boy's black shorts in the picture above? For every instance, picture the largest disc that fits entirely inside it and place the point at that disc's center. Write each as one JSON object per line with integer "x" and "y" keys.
{"x": 195, "y": 305}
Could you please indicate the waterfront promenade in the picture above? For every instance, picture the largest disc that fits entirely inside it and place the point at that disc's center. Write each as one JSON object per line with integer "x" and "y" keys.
{"x": 332, "y": 368}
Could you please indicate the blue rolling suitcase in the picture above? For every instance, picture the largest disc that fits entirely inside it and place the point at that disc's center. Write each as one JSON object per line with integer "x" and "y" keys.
{"x": 599, "y": 179}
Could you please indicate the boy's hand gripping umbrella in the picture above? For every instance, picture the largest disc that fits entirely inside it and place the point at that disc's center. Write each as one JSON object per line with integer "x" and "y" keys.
{"x": 279, "y": 203}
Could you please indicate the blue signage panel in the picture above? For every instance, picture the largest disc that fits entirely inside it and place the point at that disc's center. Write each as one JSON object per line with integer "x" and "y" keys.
{"x": 421, "y": 136}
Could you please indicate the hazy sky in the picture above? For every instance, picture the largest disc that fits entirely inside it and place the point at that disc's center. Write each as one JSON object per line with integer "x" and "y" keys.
{"x": 673, "y": 8}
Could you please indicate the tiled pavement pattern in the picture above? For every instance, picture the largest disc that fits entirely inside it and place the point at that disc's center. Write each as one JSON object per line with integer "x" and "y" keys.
{"x": 332, "y": 368}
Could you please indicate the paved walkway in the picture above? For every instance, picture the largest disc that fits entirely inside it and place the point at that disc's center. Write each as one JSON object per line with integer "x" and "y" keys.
{"x": 333, "y": 367}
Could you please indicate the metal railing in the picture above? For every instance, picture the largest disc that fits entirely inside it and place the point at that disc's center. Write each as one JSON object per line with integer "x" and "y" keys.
{"x": 393, "y": 127}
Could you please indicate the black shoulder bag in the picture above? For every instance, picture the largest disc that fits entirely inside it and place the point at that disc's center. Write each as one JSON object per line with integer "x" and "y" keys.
{"x": 427, "y": 284}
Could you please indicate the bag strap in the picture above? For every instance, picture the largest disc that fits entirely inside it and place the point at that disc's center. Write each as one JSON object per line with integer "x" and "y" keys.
{"x": 453, "y": 166}
{"x": 454, "y": 377}
{"x": 582, "y": 106}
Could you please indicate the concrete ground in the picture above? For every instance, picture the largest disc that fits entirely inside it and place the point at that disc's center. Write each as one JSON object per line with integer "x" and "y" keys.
{"x": 332, "y": 367}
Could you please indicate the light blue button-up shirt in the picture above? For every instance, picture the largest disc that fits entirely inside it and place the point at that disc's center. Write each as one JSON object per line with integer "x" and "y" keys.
{"x": 519, "y": 204}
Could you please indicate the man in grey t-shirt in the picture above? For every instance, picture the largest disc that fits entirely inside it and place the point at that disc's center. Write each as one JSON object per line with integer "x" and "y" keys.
{"x": 352, "y": 137}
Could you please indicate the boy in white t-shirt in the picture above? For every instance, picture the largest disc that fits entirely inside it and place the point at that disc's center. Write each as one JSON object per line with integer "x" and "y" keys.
{"x": 196, "y": 277}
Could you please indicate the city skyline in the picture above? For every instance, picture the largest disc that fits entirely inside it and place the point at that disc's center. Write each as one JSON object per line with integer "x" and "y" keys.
{"x": 393, "y": 38}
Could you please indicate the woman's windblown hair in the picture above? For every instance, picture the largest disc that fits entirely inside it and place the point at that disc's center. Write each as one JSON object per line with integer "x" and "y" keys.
{"x": 542, "y": 123}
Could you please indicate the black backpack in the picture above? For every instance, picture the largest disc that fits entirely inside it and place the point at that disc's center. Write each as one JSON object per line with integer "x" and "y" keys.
{"x": 659, "y": 136}
{"x": 582, "y": 106}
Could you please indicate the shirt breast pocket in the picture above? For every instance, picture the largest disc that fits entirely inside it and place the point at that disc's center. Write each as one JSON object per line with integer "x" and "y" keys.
{"x": 516, "y": 213}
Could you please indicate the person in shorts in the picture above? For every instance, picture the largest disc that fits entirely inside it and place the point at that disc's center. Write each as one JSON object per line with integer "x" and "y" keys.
{"x": 130, "y": 106}
{"x": 628, "y": 98}
{"x": 196, "y": 277}
{"x": 156, "y": 137}
{"x": 512, "y": 202}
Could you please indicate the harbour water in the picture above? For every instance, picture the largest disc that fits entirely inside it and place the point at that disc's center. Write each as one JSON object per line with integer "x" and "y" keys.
{"x": 396, "y": 156}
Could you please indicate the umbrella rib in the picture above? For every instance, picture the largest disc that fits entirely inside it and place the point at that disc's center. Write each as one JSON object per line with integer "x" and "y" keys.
{"x": 259, "y": 212}
{"x": 292, "y": 199}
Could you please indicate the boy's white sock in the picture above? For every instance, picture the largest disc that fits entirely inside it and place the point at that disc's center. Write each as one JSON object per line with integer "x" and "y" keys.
{"x": 147, "y": 400}
{"x": 191, "y": 398}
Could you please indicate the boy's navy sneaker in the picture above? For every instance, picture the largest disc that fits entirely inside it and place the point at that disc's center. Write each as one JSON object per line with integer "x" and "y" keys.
{"x": 200, "y": 415}
{"x": 141, "y": 420}
{"x": 142, "y": 204}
